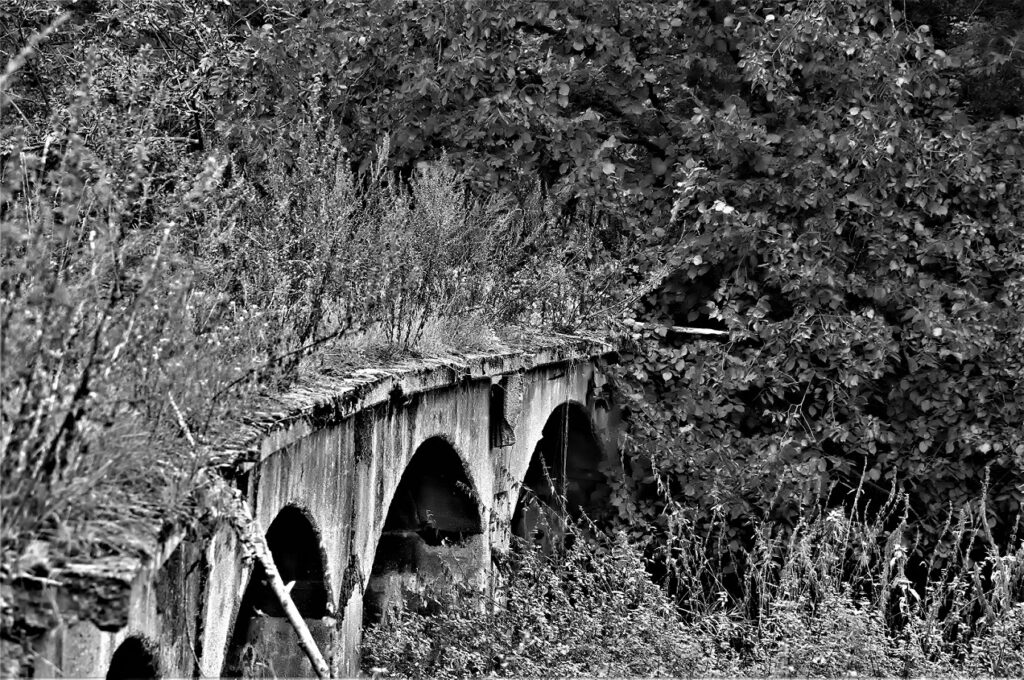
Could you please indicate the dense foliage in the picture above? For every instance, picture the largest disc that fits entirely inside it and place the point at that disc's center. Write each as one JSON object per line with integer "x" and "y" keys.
{"x": 820, "y": 179}
{"x": 858, "y": 234}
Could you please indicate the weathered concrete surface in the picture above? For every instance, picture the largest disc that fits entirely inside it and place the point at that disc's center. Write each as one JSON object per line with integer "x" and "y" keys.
{"x": 338, "y": 453}
{"x": 160, "y": 607}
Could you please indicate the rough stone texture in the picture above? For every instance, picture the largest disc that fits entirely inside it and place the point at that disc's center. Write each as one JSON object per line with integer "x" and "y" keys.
{"x": 336, "y": 449}
{"x": 229, "y": 574}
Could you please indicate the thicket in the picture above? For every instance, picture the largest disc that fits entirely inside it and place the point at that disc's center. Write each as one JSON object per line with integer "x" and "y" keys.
{"x": 833, "y": 183}
{"x": 199, "y": 198}
{"x": 831, "y": 599}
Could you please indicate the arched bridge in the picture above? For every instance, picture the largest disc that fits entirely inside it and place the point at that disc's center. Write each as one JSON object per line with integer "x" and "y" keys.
{"x": 369, "y": 488}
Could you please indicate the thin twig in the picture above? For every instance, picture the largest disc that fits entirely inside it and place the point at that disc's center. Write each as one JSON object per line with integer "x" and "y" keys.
{"x": 685, "y": 330}
{"x": 22, "y": 56}
{"x": 181, "y": 422}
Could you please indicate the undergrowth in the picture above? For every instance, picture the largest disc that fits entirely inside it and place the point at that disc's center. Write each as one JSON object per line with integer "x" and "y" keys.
{"x": 828, "y": 598}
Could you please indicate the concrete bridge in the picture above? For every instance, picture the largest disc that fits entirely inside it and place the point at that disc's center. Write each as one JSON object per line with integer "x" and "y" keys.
{"x": 369, "y": 488}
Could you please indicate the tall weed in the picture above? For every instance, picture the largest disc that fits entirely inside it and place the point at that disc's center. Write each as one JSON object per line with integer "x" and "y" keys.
{"x": 828, "y": 598}
{"x": 151, "y": 296}
{"x": 92, "y": 329}
{"x": 582, "y": 612}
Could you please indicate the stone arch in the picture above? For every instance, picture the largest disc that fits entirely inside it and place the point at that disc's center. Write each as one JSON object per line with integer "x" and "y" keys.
{"x": 263, "y": 643}
{"x": 563, "y": 479}
{"x": 433, "y": 531}
{"x": 134, "y": 658}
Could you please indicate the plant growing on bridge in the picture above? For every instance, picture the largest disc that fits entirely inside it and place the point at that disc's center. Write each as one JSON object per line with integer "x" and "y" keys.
{"x": 146, "y": 272}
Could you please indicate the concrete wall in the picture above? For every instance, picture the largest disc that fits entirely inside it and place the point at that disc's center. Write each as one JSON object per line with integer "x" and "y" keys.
{"x": 343, "y": 475}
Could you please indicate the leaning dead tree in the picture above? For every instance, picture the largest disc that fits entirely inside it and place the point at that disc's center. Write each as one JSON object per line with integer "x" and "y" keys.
{"x": 254, "y": 541}
{"x": 230, "y": 501}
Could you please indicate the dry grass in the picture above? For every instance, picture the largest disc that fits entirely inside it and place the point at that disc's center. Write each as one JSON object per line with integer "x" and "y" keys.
{"x": 374, "y": 348}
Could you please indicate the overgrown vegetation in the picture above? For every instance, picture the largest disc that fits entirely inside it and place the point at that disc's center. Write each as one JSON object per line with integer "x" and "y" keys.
{"x": 829, "y": 599}
{"x": 151, "y": 297}
{"x": 857, "y": 232}
{"x": 201, "y": 200}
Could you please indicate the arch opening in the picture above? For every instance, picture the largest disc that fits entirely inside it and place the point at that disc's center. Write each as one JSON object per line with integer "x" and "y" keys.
{"x": 563, "y": 480}
{"x": 263, "y": 643}
{"x": 432, "y": 532}
{"x": 133, "y": 658}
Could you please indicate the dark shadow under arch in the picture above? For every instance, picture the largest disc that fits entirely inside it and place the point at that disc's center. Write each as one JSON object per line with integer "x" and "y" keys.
{"x": 263, "y": 642}
{"x": 431, "y": 526}
{"x": 134, "y": 658}
{"x": 564, "y": 478}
